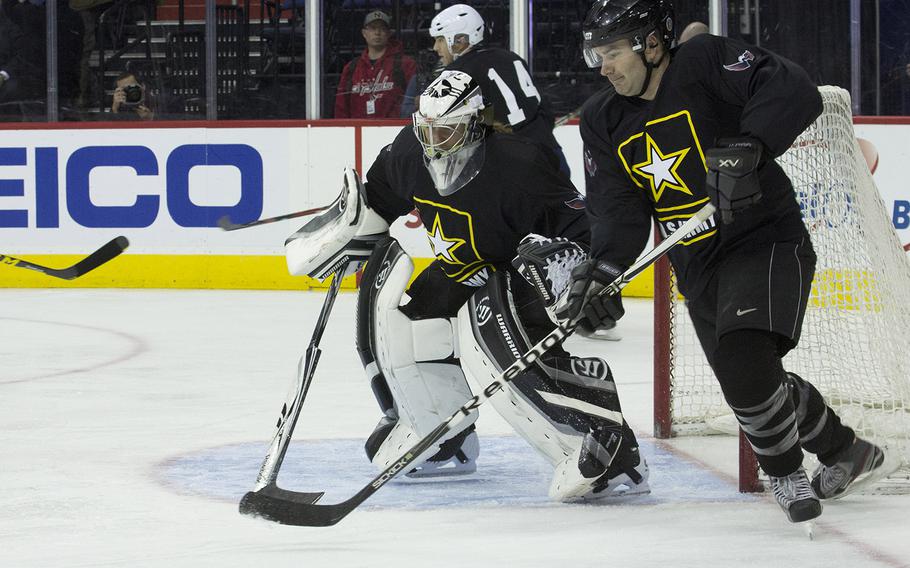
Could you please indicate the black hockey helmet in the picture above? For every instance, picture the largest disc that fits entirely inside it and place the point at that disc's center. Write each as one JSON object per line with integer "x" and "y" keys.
{"x": 611, "y": 20}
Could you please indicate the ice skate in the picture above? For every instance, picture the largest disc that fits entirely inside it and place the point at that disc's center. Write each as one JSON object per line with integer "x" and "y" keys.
{"x": 859, "y": 465}
{"x": 794, "y": 495}
{"x": 457, "y": 456}
{"x": 584, "y": 477}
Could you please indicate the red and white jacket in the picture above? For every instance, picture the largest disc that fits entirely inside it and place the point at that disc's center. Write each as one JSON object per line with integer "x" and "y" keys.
{"x": 375, "y": 89}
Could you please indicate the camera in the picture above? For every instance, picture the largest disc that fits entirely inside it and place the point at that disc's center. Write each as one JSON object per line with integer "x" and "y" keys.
{"x": 132, "y": 94}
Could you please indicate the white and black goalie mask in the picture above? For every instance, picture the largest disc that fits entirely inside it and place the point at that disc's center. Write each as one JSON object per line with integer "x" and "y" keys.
{"x": 449, "y": 127}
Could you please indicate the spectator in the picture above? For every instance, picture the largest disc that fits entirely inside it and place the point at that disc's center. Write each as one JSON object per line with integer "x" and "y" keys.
{"x": 373, "y": 85}
{"x": 692, "y": 30}
{"x": 131, "y": 99}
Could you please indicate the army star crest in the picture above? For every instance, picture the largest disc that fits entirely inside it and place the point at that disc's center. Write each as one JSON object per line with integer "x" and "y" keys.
{"x": 660, "y": 169}
{"x": 442, "y": 246}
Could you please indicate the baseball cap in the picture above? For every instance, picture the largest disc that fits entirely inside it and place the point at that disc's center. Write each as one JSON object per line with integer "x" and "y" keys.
{"x": 377, "y": 15}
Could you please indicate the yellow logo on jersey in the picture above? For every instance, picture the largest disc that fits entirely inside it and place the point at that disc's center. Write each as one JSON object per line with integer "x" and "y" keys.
{"x": 443, "y": 248}
{"x": 660, "y": 169}
{"x": 666, "y": 155}
{"x": 452, "y": 237}
{"x": 671, "y": 218}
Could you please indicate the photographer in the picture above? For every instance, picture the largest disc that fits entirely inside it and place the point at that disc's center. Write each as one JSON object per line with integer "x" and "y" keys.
{"x": 130, "y": 96}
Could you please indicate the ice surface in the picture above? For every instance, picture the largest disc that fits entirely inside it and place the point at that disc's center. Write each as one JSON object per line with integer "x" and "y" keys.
{"x": 132, "y": 420}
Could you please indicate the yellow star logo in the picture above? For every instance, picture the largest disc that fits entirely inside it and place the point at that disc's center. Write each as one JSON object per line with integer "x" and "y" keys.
{"x": 442, "y": 246}
{"x": 660, "y": 169}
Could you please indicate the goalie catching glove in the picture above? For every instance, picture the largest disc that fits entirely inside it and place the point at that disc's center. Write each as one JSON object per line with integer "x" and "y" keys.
{"x": 585, "y": 301}
{"x": 732, "y": 181}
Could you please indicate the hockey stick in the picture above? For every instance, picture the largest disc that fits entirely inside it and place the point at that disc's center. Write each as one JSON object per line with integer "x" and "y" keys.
{"x": 266, "y": 496}
{"x": 292, "y": 508}
{"x": 107, "y": 252}
{"x": 564, "y": 119}
{"x": 225, "y": 222}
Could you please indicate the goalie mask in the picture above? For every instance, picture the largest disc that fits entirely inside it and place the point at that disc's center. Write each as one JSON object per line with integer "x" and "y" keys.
{"x": 450, "y": 127}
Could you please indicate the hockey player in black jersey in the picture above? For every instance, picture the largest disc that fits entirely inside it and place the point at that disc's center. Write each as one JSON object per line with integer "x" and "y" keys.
{"x": 502, "y": 75}
{"x": 685, "y": 125}
{"x": 479, "y": 194}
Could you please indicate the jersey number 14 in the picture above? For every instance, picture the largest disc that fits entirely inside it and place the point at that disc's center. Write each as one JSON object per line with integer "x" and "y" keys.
{"x": 516, "y": 114}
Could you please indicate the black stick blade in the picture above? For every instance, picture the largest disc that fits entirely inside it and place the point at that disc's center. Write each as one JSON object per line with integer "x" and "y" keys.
{"x": 279, "y": 505}
{"x": 106, "y": 253}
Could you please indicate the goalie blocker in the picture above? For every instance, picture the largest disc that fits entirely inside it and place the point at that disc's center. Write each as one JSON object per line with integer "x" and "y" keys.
{"x": 338, "y": 238}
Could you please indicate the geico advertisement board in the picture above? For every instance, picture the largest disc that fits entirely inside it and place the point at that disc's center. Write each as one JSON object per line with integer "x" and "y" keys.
{"x": 67, "y": 191}
{"x": 62, "y": 191}
{"x": 888, "y": 151}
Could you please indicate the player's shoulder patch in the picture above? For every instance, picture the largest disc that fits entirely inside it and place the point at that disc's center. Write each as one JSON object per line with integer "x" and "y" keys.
{"x": 577, "y": 203}
{"x": 743, "y": 62}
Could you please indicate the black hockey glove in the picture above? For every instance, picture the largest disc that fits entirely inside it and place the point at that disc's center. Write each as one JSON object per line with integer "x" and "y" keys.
{"x": 732, "y": 182}
{"x": 547, "y": 264}
{"x": 585, "y": 303}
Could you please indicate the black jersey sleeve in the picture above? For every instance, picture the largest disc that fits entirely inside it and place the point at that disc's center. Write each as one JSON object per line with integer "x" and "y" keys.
{"x": 555, "y": 205}
{"x": 619, "y": 214}
{"x": 505, "y": 82}
{"x": 778, "y": 98}
{"x": 387, "y": 192}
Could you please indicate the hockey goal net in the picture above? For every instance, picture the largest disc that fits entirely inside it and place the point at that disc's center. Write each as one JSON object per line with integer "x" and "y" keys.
{"x": 855, "y": 343}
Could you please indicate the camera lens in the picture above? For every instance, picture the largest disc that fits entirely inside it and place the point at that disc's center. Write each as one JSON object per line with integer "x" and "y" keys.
{"x": 132, "y": 93}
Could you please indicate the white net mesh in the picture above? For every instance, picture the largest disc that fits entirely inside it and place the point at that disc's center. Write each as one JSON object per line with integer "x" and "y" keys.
{"x": 854, "y": 347}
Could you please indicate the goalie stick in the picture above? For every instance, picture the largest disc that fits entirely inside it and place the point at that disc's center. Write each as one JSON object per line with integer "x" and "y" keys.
{"x": 301, "y": 509}
{"x": 107, "y": 252}
{"x": 226, "y": 224}
{"x": 266, "y": 496}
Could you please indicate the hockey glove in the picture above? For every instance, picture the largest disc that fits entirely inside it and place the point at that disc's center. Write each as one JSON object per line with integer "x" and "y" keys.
{"x": 732, "y": 182}
{"x": 547, "y": 265}
{"x": 584, "y": 301}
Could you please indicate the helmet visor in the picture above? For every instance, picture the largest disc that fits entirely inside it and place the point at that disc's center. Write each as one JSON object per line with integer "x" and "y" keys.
{"x": 440, "y": 137}
{"x": 455, "y": 170}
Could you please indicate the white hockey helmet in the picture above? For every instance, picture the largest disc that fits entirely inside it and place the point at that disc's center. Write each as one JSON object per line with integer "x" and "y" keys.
{"x": 449, "y": 124}
{"x": 457, "y": 20}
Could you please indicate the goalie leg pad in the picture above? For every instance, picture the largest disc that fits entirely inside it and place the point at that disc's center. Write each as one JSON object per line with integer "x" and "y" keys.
{"x": 415, "y": 361}
{"x": 558, "y": 403}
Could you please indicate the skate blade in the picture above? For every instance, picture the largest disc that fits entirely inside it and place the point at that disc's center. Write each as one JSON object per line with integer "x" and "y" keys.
{"x": 809, "y": 529}
{"x": 610, "y": 494}
{"x": 622, "y": 492}
{"x": 444, "y": 470}
{"x": 890, "y": 464}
